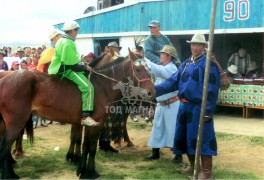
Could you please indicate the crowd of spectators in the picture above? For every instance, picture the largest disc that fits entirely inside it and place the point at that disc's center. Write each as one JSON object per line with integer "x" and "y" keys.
{"x": 26, "y": 58}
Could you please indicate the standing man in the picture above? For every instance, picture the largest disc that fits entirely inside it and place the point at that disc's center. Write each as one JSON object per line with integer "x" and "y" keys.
{"x": 66, "y": 63}
{"x": 155, "y": 42}
{"x": 116, "y": 50}
{"x": 189, "y": 80}
{"x": 163, "y": 130}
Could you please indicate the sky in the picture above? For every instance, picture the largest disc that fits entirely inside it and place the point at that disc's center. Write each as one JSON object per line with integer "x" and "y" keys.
{"x": 32, "y": 20}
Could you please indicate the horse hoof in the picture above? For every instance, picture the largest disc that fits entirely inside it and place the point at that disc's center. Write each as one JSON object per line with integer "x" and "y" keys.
{"x": 118, "y": 144}
{"x": 80, "y": 172}
{"x": 92, "y": 175}
{"x": 130, "y": 144}
{"x": 14, "y": 151}
{"x": 69, "y": 157}
{"x": 76, "y": 159}
{"x": 15, "y": 176}
{"x": 19, "y": 154}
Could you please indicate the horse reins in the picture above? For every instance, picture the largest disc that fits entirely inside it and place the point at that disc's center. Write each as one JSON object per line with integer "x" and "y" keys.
{"x": 134, "y": 76}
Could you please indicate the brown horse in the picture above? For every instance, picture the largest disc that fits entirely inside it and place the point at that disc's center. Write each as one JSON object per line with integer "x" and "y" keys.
{"x": 29, "y": 130}
{"x": 74, "y": 153}
{"x": 24, "y": 92}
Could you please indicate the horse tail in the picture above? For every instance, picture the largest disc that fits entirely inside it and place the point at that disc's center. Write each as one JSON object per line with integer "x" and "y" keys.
{"x": 29, "y": 129}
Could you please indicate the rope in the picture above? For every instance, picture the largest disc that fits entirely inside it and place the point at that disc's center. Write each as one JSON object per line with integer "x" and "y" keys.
{"x": 106, "y": 76}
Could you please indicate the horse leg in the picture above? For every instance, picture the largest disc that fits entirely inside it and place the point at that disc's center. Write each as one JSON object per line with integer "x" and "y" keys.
{"x": 7, "y": 169}
{"x": 7, "y": 160}
{"x": 91, "y": 173}
{"x": 126, "y": 137}
{"x": 14, "y": 124}
{"x": 85, "y": 150}
{"x": 74, "y": 152}
{"x": 89, "y": 146}
{"x": 18, "y": 151}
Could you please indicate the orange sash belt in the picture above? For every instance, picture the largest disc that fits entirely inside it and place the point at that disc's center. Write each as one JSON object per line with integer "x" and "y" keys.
{"x": 184, "y": 100}
{"x": 169, "y": 101}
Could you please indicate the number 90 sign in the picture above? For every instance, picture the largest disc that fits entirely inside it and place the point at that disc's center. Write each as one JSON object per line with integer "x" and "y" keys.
{"x": 241, "y": 10}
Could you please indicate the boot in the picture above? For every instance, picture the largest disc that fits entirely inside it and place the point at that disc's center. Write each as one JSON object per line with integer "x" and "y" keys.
{"x": 177, "y": 159}
{"x": 154, "y": 155}
{"x": 190, "y": 169}
{"x": 206, "y": 173}
{"x": 106, "y": 147}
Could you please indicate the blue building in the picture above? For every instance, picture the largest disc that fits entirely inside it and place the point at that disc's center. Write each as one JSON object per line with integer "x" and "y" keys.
{"x": 239, "y": 23}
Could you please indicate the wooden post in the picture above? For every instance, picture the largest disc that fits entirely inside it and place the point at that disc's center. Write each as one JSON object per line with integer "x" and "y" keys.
{"x": 205, "y": 90}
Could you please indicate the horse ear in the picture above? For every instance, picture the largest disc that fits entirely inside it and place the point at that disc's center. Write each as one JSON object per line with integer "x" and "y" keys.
{"x": 111, "y": 51}
{"x": 132, "y": 56}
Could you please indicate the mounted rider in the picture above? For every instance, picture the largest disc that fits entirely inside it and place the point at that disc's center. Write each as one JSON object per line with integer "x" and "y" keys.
{"x": 66, "y": 62}
{"x": 116, "y": 49}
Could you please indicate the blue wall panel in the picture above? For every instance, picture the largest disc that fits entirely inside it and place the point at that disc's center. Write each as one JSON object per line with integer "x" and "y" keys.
{"x": 175, "y": 15}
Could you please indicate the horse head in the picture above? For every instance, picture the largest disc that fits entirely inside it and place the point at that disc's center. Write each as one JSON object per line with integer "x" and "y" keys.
{"x": 140, "y": 76}
{"x": 224, "y": 84}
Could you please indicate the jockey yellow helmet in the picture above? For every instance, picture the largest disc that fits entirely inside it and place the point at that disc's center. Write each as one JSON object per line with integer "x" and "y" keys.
{"x": 68, "y": 26}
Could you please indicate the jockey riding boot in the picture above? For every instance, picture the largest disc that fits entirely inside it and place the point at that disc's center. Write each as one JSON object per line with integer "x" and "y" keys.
{"x": 87, "y": 120}
{"x": 177, "y": 159}
{"x": 106, "y": 147}
{"x": 190, "y": 169}
{"x": 155, "y": 154}
{"x": 35, "y": 121}
{"x": 206, "y": 172}
{"x": 43, "y": 122}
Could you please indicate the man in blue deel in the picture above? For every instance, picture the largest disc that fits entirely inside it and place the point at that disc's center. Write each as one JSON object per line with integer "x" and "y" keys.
{"x": 189, "y": 81}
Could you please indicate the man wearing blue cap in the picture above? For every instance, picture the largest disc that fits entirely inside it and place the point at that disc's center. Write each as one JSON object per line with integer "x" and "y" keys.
{"x": 155, "y": 42}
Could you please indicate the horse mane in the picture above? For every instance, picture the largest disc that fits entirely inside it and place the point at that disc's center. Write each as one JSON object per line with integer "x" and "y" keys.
{"x": 110, "y": 64}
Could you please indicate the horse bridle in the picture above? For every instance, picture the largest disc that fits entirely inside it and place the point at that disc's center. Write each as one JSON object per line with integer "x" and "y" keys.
{"x": 134, "y": 74}
{"x": 139, "y": 62}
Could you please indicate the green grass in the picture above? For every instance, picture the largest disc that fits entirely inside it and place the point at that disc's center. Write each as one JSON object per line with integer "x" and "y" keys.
{"x": 227, "y": 174}
{"x": 41, "y": 161}
{"x": 241, "y": 138}
{"x": 109, "y": 166}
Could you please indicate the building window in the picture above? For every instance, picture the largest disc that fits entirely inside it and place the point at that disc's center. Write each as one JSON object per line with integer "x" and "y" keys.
{"x": 100, "y": 4}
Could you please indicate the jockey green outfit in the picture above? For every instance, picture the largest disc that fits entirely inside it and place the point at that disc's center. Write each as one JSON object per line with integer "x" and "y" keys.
{"x": 66, "y": 63}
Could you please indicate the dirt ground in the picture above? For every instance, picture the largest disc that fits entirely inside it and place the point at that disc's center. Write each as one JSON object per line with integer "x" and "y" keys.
{"x": 238, "y": 157}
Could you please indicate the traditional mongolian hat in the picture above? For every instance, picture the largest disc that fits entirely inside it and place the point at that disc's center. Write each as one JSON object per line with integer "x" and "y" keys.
{"x": 114, "y": 44}
{"x": 232, "y": 69}
{"x": 170, "y": 50}
{"x": 198, "y": 39}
